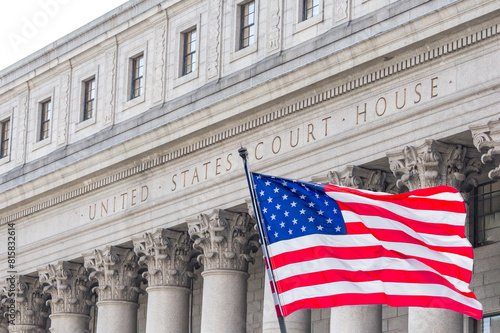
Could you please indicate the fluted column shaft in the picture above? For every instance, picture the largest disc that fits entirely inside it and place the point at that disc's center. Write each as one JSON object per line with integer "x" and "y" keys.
{"x": 226, "y": 239}
{"x": 116, "y": 270}
{"x": 168, "y": 255}
{"x": 434, "y": 164}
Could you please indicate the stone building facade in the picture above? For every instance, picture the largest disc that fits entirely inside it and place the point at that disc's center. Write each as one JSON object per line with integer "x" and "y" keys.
{"x": 123, "y": 201}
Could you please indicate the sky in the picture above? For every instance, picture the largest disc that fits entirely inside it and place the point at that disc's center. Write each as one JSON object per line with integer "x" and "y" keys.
{"x": 29, "y": 25}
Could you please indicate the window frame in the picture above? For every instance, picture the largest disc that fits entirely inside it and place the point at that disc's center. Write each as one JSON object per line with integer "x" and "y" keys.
{"x": 87, "y": 100}
{"x": 479, "y": 237}
{"x": 5, "y": 142}
{"x": 43, "y": 121}
{"x": 305, "y": 9}
{"x": 137, "y": 74}
{"x": 302, "y": 23}
{"x": 242, "y": 26}
{"x": 187, "y": 40}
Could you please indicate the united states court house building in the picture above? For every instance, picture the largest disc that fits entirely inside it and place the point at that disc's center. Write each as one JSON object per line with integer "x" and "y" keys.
{"x": 124, "y": 206}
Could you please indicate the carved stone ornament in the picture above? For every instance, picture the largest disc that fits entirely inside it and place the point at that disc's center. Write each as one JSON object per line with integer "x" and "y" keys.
{"x": 29, "y": 310}
{"x": 435, "y": 163}
{"x": 360, "y": 178}
{"x": 225, "y": 239}
{"x": 116, "y": 271}
{"x": 69, "y": 285}
{"x": 169, "y": 257}
{"x": 486, "y": 138}
{"x": 4, "y": 308}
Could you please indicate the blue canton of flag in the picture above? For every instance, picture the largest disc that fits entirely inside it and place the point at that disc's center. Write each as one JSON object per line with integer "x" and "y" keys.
{"x": 293, "y": 208}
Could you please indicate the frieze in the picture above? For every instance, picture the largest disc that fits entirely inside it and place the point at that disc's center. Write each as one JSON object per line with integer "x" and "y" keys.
{"x": 277, "y": 143}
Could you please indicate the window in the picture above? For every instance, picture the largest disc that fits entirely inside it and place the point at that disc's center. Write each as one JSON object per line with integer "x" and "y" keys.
{"x": 89, "y": 99}
{"x": 46, "y": 108}
{"x": 137, "y": 76}
{"x": 310, "y": 9}
{"x": 487, "y": 213}
{"x": 189, "y": 53}
{"x": 490, "y": 324}
{"x": 4, "y": 143}
{"x": 247, "y": 24}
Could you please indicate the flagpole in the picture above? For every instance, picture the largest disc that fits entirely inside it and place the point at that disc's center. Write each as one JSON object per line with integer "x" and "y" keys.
{"x": 244, "y": 155}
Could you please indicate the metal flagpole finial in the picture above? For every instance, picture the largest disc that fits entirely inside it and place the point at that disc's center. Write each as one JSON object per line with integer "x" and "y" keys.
{"x": 243, "y": 152}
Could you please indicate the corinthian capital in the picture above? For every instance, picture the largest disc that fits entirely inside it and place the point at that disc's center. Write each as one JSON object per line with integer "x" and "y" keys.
{"x": 435, "y": 163}
{"x": 116, "y": 271}
{"x": 486, "y": 138}
{"x": 225, "y": 239}
{"x": 168, "y": 255}
{"x": 69, "y": 285}
{"x": 23, "y": 299}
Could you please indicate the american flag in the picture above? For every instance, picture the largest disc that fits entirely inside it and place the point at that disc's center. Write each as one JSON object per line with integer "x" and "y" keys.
{"x": 332, "y": 246}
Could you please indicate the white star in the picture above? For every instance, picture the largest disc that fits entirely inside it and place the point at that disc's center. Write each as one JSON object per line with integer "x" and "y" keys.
{"x": 311, "y": 219}
{"x": 311, "y": 204}
{"x": 276, "y": 190}
{"x": 269, "y": 199}
{"x": 284, "y": 183}
{"x": 278, "y": 206}
{"x": 302, "y": 197}
{"x": 317, "y": 195}
{"x": 294, "y": 221}
{"x": 282, "y": 224}
{"x": 293, "y": 190}
{"x": 276, "y": 234}
{"x": 303, "y": 228}
{"x": 285, "y": 197}
{"x": 264, "y": 210}
{"x": 293, "y": 204}
{"x": 269, "y": 227}
{"x": 320, "y": 212}
{"x": 329, "y": 221}
{"x": 337, "y": 229}
{"x": 261, "y": 193}
{"x": 286, "y": 213}
{"x": 320, "y": 227}
{"x": 268, "y": 183}
{"x": 273, "y": 217}
{"x": 326, "y": 203}
{"x": 259, "y": 176}
{"x": 335, "y": 211}
{"x": 302, "y": 211}
{"x": 290, "y": 231}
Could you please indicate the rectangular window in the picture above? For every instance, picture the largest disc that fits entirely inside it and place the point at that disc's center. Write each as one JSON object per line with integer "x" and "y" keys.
{"x": 310, "y": 9}
{"x": 490, "y": 324}
{"x": 137, "y": 76}
{"x": 189, "y": 53}
{"x": 247, "y": 24}
{"x": 89, "y": 99}
{"x": 487, "y": 211}
{"x": 4, "y": 144}
{"x": 46, "y": 109}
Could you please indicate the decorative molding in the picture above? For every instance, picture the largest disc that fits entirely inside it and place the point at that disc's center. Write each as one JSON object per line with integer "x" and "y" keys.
{"x": 31, "y": 310}
{"x": 116, "y": 271}
{"x": 69, "y": 285}
{"x": 275, "y": 115}
{"x": 159, "y": 63}
{"x": 225, "y": 240}
{"x": 62, "y": 131}
{"x": 435, "y": 163}
{"x": 486, "y": 138}
{"x": 341, "y": 10}
{"x": 168, "y": 256}
{"x": 274, "y": 26}
{"x": 110, "y": 86}
{"x": 22, "y": 125}
{"x": 214, "y": 31}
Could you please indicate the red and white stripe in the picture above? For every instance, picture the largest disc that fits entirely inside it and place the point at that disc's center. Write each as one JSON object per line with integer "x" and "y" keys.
{"x": 401, "y": 250}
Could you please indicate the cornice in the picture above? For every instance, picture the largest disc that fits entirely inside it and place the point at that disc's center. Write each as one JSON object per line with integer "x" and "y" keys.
{"x": 397, "y": 66}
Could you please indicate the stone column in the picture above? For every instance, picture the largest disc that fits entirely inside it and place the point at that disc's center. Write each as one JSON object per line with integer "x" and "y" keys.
{"x": 358, "y": 318}
{"x": 168, "y": 256}
{"x": 30, "y": 311}
{"x": 434, "y": 164}
{"x": 116, "y": 271}
{"x": 225, "y": 240}
{"x": 69, "y": 286}
{"x": 4, "y": 309}
{"x": 486, "y": 138}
